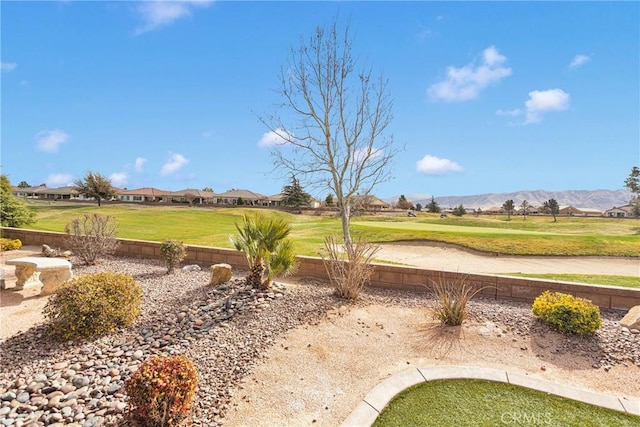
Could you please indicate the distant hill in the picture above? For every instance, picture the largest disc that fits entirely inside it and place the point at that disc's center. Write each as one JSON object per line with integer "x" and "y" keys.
{"x": 595, "y": 199}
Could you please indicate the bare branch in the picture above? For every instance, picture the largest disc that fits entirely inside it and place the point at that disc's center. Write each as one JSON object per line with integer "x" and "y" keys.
{"x": 334, "y": 120}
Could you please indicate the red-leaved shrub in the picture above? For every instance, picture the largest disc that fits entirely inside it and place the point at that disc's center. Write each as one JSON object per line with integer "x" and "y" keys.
{"x": 161, "y": 391}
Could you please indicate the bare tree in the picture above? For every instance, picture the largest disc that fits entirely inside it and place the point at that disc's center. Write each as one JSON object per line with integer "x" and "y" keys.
{"x": 333, "y": 120}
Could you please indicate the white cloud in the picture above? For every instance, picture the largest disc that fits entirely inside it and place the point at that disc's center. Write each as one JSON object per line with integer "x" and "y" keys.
{"x": 432, "y": 165}
{"x": 155, "y": 14}
{"x": 511, "y": 113}
{"x": 277, "y": 137}
{"x": 119, "y": 179}
{"x": 579, "y": 60}
{"x": 59, "y": 180}
{"x": 176, "y": 162}
{"x": 50, "y": 140}
{"x": 8, "y": 66}
{"x": 139, "y": 164}
{"x": 463, "y": 84}
{"x": 544, "y": 101}
{"x": 360, "y": 155}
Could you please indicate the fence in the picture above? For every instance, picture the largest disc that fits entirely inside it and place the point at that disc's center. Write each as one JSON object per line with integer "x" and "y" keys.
{"x": 384, "y": 276}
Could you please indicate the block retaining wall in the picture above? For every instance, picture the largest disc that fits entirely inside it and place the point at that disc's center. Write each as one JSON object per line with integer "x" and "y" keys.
{"x": 384, "y": 276}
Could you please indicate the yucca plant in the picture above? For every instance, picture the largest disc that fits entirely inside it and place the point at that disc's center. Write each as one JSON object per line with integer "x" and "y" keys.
{"x": 452, "y": 296}
{"x": 268, "y": 251}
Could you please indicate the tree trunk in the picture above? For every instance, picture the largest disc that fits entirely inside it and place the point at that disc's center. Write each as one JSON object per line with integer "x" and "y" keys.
{"x": 345, "y": 217}
{"x": 254, "y": 279}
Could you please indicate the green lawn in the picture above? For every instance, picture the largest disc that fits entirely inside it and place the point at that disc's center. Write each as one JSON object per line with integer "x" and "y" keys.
{"x": 212, "y": 226}
{"x": 480, "y": 403}
{"x": 595, "y": 279}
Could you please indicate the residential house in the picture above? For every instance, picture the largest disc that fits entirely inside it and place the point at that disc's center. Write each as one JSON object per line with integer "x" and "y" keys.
{"x": 494, "y": 210}
{"x": 573, "y": 211}
{"x": 276, "y": 200}
{"x": 43, "y": 192}
{"x": 139, "y": 195}
{"x": 619, "y": 212}
{"x": 369, "y": 202}
{"x": 245, "y": 197}
{"x": 191, "y": 196}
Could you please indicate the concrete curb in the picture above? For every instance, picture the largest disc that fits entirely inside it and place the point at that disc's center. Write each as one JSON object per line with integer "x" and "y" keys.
{"x": 374, "y": 402}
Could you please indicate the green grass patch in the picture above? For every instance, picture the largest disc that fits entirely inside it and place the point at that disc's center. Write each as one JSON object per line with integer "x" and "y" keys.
{"x": 212, "y": 227}
{"x": 480, "y": 403}
{"x": 592, "y": 279}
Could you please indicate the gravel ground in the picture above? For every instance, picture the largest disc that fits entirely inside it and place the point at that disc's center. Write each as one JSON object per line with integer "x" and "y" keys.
{"x": 226, "y": 331}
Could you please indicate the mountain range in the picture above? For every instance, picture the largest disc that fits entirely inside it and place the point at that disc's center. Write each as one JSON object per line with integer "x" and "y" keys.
{"x": 594, "y": 199}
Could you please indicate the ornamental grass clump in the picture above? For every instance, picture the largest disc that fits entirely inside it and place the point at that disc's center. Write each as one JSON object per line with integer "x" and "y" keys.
{"x": 349, "y": 269}
{"x": 567, "y": 313}
{"x": 173, "y": 252}
{"x": 161, "y": 391}
{"x": 93, "y": 304}
{"x": 452, "y": 296}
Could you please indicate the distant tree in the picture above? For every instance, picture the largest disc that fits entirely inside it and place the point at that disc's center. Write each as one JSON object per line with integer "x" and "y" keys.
{"x": 478, "y": 211}
{"x": 329, "y": 200}
{"x": 525, "y": 207}
{"x": 418, "y": 207}
{"x": 23, "y": 184}
{"x": 13, "y": 211}
{"x": 240, "y": 202}
{"x": 403, "y": 203}
{"x": 552, "y": 207}
{"x": 209, "y": 189}
{"x": 633, "y": 181}
{"x": 433, "y": 206}
{"x": 459, "y": 210}
{"x": 508, "y": 207}
{"x": 633, "y": 184}
{"x": 294, "y": 195}
{"x": 95, "y": 186}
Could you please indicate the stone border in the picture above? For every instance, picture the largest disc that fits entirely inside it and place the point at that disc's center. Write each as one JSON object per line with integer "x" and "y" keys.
{"x": 384, "y": 276}
{"x": 367, "y": 411}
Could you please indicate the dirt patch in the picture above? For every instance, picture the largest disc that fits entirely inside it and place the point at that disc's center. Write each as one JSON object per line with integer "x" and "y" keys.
{"x": 317, "y": 375}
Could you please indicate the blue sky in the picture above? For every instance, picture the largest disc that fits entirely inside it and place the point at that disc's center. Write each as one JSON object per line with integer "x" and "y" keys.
{"x": 488, "y": 96}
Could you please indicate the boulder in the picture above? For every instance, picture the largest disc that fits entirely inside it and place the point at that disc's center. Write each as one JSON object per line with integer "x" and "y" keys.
{"x": 220, "y": 273}
{"x": 191, "y": 267}
{"x": 632, "y": 319}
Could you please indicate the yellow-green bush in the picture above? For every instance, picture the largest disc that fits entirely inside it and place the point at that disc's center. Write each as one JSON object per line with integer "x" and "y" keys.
{"x": 173, "y": 252}
{"x": 94, "y": 304}
{"x": 161, "y": 391}
{"x": 567, "y": 313}
{"x": 10, "y": 245}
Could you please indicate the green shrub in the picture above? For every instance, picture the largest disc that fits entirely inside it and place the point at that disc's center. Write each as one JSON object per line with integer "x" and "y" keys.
{"x": 10, "y": 245}
{"x": 94, "y": 304}
{"x": 567, "y": 313}
{"x": 173, "y": 252}
{"x": 161, "y": 391}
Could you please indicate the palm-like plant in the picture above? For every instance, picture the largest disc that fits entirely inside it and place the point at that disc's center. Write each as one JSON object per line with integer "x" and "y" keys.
{"x": 268, "y": 251}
